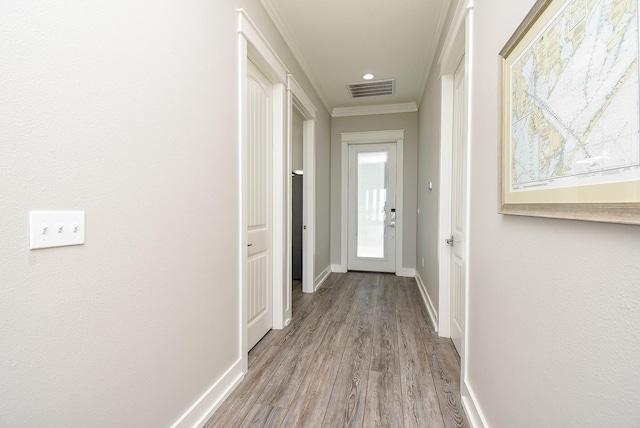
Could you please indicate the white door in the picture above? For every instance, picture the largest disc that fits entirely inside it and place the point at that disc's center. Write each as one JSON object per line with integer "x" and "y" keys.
{"x": 458, "y": 239}
{"x": 371, "y": 207}
{"x": 259, "y": 225}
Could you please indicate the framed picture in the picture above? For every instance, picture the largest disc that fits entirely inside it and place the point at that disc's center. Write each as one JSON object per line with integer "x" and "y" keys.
{"x": 570, "y": 113}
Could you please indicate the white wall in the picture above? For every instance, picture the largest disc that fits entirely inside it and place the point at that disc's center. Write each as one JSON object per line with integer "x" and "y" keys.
{"x": 554, "y": 324}
{"x": 429, "y": 170}
{"x": 406, "y": 121}
{"x": 123, "y": 110}
{"x": 429, "y": 120}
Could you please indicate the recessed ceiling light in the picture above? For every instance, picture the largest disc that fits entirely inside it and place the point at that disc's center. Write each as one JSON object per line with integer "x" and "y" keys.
{"x": 368, "y": 76}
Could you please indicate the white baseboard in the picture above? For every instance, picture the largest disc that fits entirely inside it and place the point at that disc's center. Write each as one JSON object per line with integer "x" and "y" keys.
{"x": 433, "y": 313}
{"x": 320, "y": 279}
{"x": 471, "y": 406}
{"x": 338, "y": 269}
{"x": 200, "y": 412}
{"x": 406, "y": 272}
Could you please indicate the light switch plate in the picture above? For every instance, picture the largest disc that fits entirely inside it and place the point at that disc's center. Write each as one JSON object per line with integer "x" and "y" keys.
{"x": 55, "y": 229}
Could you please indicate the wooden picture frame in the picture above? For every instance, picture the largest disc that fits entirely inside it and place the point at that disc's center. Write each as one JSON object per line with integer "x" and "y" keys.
{"x": 570, "y": 113}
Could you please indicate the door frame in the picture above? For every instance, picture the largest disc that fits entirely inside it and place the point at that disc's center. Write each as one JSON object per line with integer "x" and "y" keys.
{"x": 299, "y": 100}
{"x": 371, "y": 137}
{"x": 252, "y": 46}
{"x": 352, "y": 205}
{"x": 458, "y": 44}
{"x": 287, "y": 93}
{"x": 452, "y": 53}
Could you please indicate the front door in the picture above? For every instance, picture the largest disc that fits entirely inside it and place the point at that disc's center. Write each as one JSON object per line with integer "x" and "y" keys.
{"x": 259, "y": 225}
{"x": 372, "y": 211}
{"x": 458, "y": 240}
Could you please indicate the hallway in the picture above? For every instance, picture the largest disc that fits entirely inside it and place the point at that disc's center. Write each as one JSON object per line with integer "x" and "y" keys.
{"x": 359, "y": 352}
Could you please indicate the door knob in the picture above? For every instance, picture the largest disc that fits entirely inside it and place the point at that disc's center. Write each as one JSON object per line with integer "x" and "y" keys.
{"x": 449, "y": 241}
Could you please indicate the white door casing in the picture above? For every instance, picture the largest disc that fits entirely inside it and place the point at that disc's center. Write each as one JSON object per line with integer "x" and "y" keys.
{"x": 254, "y": 48}
{"x": 302, "y": 103}
{"x": 458, "y": 238}
{"x": 372, "y": 207}
{"x": 259, "y": 225}
{"x": 457, "y": 47}
{"x": 371, "y": 137}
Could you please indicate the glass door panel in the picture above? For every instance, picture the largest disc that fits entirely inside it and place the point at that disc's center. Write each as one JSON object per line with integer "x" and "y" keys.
{"x": 372, "y": 178}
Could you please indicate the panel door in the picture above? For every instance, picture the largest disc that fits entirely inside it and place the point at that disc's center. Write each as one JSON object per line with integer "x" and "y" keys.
{"x": 259, "y": 224}
{"x": 458, "y": 209}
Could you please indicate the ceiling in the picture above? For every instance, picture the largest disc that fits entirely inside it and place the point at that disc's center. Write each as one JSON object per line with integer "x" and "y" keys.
{"x": 337, "y": 41}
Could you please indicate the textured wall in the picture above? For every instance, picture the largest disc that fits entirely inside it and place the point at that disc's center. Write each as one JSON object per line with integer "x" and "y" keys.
{"x": 406, "y": 121}
{"x": 554, "y": 330}
{"x": 120, "y": 109}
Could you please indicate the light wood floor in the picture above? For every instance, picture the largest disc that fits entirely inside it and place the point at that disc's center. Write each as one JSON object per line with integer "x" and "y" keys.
{"x": 360, "y": 352}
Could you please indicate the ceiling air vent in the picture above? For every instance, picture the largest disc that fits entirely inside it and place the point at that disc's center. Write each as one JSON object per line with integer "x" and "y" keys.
{"x": 373, "y": 88}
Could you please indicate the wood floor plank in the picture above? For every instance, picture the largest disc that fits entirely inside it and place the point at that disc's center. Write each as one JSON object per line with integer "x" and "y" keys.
{"x": 420, "y": 400}
{"x": 300, "y": 302}
{"x": 310, "y": 405}
{"x": 262, "y": 416}
{"x": 283, "y": 386}
{"x": 240, "y": 402}
{"x": 384, "y": 356}
{"x": 330, "y": 281}
{"x": 345, "y": 309}
{"x": 446, "y": 374}
{"x": 307, "y": 307}
{"x": 305, "y": 336}
{"x": 348, "y": 397}
{"x": 257, "y": 351}
{"x": 445, "y": 367}
{"x": 359, "y": 352}
{"x": 325, "y": 300}
{"x": 384, "y": 401}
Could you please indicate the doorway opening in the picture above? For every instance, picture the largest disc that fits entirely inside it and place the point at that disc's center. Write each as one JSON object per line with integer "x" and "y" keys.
{"x": 297, "y": 201}
{"x": 302, "y": 130}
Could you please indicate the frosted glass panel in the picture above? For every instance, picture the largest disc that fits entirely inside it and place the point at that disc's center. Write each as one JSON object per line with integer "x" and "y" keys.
{"x": 372, "y": 199}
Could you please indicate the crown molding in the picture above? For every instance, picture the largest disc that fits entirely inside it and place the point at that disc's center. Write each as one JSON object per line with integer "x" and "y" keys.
{"x": 378, "y": 109}
{"x": 437, "y": 37}
{"x": 295, "y": 50}
{"x": 454, "y": 41}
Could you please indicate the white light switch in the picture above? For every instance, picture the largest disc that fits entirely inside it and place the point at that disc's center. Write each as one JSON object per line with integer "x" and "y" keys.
{"x": 55, "y": 228}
